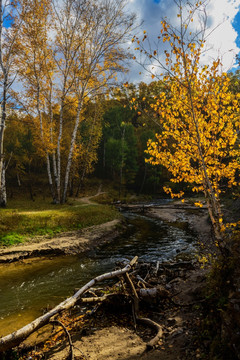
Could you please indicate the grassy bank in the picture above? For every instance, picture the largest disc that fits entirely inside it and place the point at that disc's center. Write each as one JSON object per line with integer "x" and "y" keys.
{"x": 23, "y": 219}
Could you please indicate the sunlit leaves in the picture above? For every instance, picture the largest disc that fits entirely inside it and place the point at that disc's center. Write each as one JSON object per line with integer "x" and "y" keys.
{"x": 199, "y": 117}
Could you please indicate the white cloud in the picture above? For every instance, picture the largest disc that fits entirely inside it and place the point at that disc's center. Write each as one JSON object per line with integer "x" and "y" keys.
{"x": 221, "y": 41}
{"x": 223, "y": 38}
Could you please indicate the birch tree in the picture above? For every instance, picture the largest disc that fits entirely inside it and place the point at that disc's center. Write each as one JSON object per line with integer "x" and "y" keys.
{"x": 89, "y": 36}
{"x": 198, "y": 115}
{"x": 70, "y": 52}
{"x": 36, "y": 71}
{"x": 7, "y": 40}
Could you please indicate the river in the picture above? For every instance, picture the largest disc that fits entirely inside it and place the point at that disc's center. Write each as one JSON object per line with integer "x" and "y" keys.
{"x": 27, "y": 289}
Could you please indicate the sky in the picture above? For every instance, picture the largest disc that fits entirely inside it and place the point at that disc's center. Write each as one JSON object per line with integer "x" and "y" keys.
{"x": 224, "y": 41}
{"x": 223, "y": 16}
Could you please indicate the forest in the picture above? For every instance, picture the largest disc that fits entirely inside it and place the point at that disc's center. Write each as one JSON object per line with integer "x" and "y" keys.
{"x": 80, "y": 145}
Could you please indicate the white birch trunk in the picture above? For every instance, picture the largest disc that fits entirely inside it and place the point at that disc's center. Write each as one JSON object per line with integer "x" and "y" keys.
{"x": 41, "y": 132}
{"x": 70, "y": 154}
{"x": 59, "y": 154}
{"x": 2, "y": 170}
{"x": 54, "y": 164}
{"x": 3, "y": 192}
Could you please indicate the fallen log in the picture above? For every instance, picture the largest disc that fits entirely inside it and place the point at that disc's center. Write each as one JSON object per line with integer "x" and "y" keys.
{"x": 9, "y": 341}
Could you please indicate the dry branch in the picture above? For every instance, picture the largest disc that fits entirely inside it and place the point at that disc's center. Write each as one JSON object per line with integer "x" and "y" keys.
{"x": 71, "y": 354}
{"x": 96, "y": 299}
{"x": 146, "y": 321}
{"x": 15, "y": 338}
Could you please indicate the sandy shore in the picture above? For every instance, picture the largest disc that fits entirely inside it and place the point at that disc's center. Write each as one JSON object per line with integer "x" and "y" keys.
{"x": 197, "y": 219}
{"x": 75, "y": 242}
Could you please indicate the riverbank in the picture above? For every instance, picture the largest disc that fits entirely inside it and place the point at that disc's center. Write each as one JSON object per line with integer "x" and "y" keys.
{"x": 81, "y": 241}
{"x": 70, "y": 243}
{"x": 23, "y": 221}
{"x": 197, "y": 219}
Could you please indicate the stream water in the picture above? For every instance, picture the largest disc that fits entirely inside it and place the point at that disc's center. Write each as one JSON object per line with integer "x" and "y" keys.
{"x": 27, "y": 289}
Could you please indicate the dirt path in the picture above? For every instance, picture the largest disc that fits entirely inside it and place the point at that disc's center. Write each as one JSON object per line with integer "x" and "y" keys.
{"x": 88, "y": 200}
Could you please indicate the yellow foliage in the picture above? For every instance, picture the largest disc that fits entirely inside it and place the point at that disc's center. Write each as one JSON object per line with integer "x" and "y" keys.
{"x": 199, "y": 118}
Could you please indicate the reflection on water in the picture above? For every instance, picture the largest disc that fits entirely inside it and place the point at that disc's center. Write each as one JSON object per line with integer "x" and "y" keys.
{"x": 27, "y": 289}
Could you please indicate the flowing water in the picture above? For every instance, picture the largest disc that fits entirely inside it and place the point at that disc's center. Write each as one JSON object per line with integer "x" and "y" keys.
{"x": 27, "y": 289}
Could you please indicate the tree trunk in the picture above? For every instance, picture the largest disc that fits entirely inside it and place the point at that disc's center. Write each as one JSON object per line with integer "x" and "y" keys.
{"x": 42, "y": 137}
{"x": 70, "y": 154}
{"x": 122, "y": 162}
{"x": 50, "y": 179}
{"x": 3, "y": 195}
{"x": 59, "y": 154}
{"x": 3, "y": 192}
{"x": 54, "y": 164}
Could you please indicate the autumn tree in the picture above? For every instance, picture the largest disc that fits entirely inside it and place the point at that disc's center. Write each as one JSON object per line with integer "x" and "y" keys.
{"x": 71, "y": 53}
{"x": 21, "y": 156}
{"x": 87, "y": 143}
{"x": 198, "y": 114}
{"x": 9, "y": 29}
{"x": 36, "y": 71}
{"x": 96, "y": 56}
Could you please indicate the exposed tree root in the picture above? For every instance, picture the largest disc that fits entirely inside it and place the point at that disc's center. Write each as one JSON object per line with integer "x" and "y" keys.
{"x": 71, "y": 352}
{"x": 153, "y": 342}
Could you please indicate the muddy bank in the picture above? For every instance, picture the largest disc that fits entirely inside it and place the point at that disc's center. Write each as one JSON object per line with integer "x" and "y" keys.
{"x": 71, "y": 243}
{"x": 197, "y": 219}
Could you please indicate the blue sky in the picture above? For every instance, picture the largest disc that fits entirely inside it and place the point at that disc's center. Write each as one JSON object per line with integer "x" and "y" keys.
{"x": 224, "y": 15}
{"x": 236, "y": 25}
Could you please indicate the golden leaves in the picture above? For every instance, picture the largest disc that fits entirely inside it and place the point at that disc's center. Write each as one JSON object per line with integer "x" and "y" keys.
{"x": 198, "y": 114}
{"x": 198, "y": 204}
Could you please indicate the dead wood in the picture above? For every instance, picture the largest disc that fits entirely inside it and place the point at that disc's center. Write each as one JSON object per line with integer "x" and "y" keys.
{"x": 15, "y": 338}
{"x": 142, "y": 281}
{"x": 146, "y": 321}
{"x": 155, "y": 326}
{"x": 97, "y": 298}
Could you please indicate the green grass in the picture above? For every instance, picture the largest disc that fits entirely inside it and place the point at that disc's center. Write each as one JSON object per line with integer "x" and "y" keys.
{"x": 23, "y": 219}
